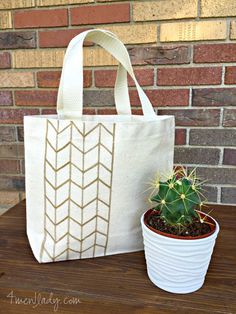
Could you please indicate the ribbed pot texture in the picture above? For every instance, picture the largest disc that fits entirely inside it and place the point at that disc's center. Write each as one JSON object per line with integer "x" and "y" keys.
{"x": 177, "y": 265}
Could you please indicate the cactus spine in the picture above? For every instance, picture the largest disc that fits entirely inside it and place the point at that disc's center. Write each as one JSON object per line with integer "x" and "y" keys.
{"x": 178, "y": 197}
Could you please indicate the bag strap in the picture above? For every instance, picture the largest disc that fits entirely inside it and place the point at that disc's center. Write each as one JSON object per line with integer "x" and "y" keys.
{"x": 70, "y": 93}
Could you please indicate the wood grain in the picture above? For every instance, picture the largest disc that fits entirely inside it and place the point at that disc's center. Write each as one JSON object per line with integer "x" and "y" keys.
{"x": 114, "y": 284}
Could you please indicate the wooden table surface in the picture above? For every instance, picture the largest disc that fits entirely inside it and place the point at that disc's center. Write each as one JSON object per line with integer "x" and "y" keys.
{"x": 113, "y": 284}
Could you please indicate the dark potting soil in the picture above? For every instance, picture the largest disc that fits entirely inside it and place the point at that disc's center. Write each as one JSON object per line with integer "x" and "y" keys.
{"x": 196, "y": 228}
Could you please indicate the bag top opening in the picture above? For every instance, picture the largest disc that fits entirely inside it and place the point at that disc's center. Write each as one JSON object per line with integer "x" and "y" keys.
{"x": 107, "y": 118}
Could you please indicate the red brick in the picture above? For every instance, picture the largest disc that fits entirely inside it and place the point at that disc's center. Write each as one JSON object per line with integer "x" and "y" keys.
{"x": 100, "y": 14}
{"x": 230, "y": 75}
{"x": 106, "y": 78}
{"x": 8, "y": 166}
{"x": 59, "y": 38}
{"x": 35, "y": 98}
{"x": 5, "y": 60}
{"x": 15, "y": 116}
{"x": 194, "y": 117}
{"x": 214, "y": 53}
{"x": 163, "y": 97}
{"x": 89, "y": 111}
{"x": 107, "y": 111}
{"x": 48, "y": 78}
{"x": 53, "y": 111}
{"x": 137, "y": 111}
{"x": 180, "y": 136}
{"x": 52, "y": 78}
{"x": 6, "y": 98}
{"x": 229, "y": 157}
{"x": 49, "y": 111}
{"x": 40, "y": 18}
{"x": 189, "y": 76}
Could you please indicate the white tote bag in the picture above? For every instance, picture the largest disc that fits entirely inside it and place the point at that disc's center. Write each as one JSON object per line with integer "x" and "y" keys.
{"x": 86, "y": 175}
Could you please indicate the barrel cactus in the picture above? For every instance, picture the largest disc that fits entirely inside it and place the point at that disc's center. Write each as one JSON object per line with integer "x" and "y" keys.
{"x": 177, "y": 198}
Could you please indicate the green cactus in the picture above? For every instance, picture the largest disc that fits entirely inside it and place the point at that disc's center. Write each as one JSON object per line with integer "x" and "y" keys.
{"x": 178, "y": 197}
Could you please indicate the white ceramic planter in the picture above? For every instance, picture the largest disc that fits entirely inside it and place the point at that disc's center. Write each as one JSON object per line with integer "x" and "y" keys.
{"x": 177, "y": 265}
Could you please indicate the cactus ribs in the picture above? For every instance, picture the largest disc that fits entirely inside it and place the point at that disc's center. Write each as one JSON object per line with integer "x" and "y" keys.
{"x": 178, "y": 203}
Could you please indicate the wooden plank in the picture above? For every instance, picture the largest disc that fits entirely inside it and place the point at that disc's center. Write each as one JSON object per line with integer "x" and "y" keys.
{"x": 113, "y": 284}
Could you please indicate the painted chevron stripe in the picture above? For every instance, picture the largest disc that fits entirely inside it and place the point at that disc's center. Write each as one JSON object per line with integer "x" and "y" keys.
{"x": 77, "y": 204}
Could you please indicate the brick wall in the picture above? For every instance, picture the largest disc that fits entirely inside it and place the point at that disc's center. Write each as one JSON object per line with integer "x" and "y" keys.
{"x": 184, "y": 54}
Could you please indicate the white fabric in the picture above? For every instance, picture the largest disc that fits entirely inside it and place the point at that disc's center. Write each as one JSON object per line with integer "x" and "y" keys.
{"x": 86, "y": 176}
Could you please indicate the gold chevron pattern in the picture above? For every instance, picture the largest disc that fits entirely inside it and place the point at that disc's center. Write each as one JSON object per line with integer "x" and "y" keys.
{"x": 78, "y": 169}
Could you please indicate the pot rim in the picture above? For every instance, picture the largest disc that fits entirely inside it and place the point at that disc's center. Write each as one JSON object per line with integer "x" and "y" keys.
{"x": 157, "y": 233}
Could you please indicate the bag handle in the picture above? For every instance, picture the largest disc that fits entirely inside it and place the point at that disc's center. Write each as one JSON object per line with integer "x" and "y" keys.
{"x": 70, "y": 93}
{"x": 121, "y": 86}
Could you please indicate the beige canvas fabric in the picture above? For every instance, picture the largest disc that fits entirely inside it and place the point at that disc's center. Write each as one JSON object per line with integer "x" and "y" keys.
{"x": 86, "y": 175}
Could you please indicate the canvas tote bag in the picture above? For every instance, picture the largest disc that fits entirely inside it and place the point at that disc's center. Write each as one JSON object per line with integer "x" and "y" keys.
{"x": 86, "y": 176}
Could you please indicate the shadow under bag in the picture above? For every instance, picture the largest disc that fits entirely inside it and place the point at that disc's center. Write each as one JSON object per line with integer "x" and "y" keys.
{"x": 85, "y": 175}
